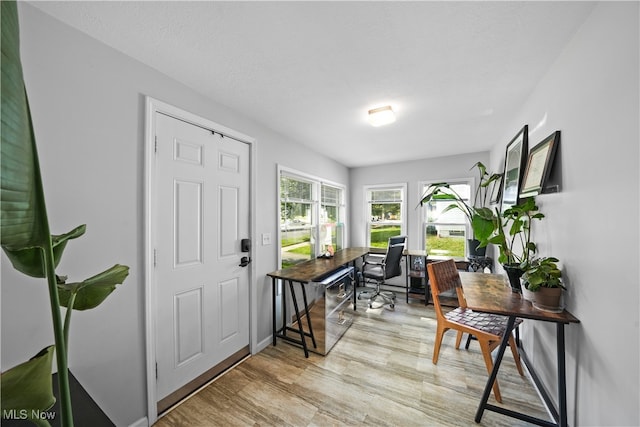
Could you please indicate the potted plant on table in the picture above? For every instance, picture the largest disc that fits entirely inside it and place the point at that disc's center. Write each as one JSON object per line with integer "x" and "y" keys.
{"x": 542, "y": 283}
{"x": 442, "y": 191}
{"x": 511, "y": 232}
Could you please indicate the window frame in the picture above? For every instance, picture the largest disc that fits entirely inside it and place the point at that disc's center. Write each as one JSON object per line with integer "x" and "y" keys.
{"x": 367, "y": 189}
{"x": 316, "y": 190}
{"x": 423, "y": 185}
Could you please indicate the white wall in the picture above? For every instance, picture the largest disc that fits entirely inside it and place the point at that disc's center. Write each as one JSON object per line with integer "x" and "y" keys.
{"x": 87, "y": 103}
{"x": 591, "y": 95}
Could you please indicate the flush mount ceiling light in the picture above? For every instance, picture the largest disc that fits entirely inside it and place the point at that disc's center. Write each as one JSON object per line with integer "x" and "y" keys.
{"x": 381, "y": 116}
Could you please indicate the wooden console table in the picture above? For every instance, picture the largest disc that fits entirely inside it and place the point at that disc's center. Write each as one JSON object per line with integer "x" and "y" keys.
{"x": 490, "y": 293}
{"x": 302, "y": 274}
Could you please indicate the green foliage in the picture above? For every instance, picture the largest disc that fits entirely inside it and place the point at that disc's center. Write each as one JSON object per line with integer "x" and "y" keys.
{"x": 486, "y": 183}
{"x": 450, "y": 246}
{"x": 27, "y": 241}
{"x": 29, "y": 260}
{"x": 442, "y": 191}
{"x": 509, "y": 230}
{"x": 27, "y": 386}
{"x": 92, "y": 291}
{"x": 301, "y": 250}
{"x": 542, "y": 273}
{"x": 380, "y": 236}
{"x": 289, "y": 241}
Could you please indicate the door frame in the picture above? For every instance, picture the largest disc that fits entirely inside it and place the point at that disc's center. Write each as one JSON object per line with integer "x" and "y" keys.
{"x": 152, "y": 107}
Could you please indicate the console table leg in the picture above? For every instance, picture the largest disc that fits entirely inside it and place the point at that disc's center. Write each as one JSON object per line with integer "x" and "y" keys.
{"x": 496, "y": 366}
{"x": 562, "y": 377}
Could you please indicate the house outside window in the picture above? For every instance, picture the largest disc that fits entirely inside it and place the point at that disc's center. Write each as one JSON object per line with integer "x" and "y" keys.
{"x": 445, "y": 234}
{"x": 385, "y": 212}
{"x": 312, "y": 216}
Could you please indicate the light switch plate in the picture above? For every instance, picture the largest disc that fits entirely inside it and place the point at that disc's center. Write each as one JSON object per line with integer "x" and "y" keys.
{"x": 266, "y": 239}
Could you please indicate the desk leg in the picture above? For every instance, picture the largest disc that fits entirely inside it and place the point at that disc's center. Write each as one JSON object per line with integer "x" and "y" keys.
{"x": 308, "y": 316}
{"x": 356, "y": 283}
{"x": 562, "y": 378}
{"x": 295, "y": 306}
{"x": 496, "y": 366}
{"x": 407, "y": 260}
{"x": 273, "y": 309}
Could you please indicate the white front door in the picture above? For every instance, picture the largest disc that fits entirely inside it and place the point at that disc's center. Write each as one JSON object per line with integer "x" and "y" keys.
{"x": 202, "y": 291}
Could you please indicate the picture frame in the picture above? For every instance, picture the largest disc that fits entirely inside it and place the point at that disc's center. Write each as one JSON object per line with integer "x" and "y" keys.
{"x": 496, "y": 191}
{"x": 539, "y": 165}
{"x": 514, "y": 163}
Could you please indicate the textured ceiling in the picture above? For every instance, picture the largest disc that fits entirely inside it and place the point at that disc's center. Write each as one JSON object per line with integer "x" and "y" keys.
{"x": 455, "y": 72}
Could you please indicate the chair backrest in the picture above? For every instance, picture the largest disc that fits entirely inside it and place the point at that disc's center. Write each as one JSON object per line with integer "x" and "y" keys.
{"x": 396, "y": 240}
{"x": 443, "y": 277}
{"x": 392, "y": 260}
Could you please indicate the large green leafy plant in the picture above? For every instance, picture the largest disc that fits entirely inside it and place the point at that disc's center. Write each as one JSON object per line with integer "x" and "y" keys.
{"x": 442, "y": 191}
{"x": 28, "y": 243}
{"x": 509, "y": 230}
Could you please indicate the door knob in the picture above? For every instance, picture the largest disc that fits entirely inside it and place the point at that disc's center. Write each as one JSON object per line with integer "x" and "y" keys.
{"x": 244, "y": 261}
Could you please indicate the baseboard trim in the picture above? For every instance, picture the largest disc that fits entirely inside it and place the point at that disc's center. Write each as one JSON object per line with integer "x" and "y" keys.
{"x": 142, "y": 422}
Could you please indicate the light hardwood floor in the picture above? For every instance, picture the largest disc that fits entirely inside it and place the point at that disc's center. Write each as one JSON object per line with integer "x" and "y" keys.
{"x": 379, "y": 373}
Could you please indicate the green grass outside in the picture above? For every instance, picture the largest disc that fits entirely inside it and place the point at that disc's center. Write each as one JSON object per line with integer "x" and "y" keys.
{"x": 450, "y": 246}
{"x": 289, "y": 241}
{"x": 380, "y": 236}
{"x": 454, "y": 247}
{"x": 302, "y": 250}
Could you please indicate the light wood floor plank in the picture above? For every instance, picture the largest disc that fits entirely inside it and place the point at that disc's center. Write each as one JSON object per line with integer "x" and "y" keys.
{"x": 380, "y": 373}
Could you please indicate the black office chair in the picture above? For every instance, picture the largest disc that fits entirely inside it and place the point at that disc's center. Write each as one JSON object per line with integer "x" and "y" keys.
{"x": 380, "y": 269}
{"x": 395, "y": 240}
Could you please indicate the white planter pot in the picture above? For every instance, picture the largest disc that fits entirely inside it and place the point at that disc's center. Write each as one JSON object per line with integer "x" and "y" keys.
{"x": 528, "y": 295}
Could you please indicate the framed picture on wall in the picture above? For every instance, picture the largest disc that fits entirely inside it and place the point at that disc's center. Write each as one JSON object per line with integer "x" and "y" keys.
{"x": 514, "y": 164}
{"x": 539, "y": 165}
{"x": 496, "y": 191}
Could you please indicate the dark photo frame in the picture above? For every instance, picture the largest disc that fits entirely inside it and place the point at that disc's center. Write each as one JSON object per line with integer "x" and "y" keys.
{"x": 496, "y": 191}
{"x": 539, "y": 165}
{"x": 514, "y": 163}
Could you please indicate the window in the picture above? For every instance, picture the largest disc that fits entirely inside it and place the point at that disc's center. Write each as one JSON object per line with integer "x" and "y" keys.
{"x": 385, "y": 212}
{"x": 445, "y": 234}
{"x": 311, "y": 218}
{"x": 331, "y": 218}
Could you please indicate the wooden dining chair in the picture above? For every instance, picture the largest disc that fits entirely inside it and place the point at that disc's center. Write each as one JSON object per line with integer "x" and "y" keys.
{"x": 487, "y": 328}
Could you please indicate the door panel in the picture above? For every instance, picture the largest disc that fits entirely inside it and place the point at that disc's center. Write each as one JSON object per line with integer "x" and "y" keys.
{"x": 188, "y": 318}
{"x": 187, "y": 223}
{"x": 202, "y": 292}
{"x": 228, "y": 214}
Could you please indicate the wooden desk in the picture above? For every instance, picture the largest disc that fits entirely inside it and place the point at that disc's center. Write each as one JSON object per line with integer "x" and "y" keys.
{"x": 303, "y": 273}
{"x": 490, "y": 293}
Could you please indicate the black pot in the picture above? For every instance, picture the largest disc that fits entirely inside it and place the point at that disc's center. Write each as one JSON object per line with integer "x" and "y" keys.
{"x": 474, "y": 251}
{"x": 514, "y": 272}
